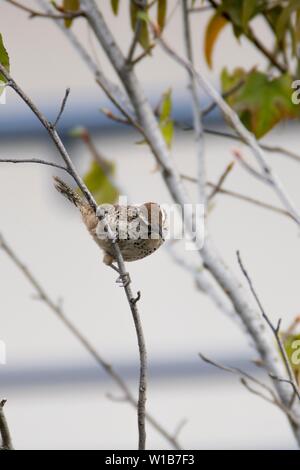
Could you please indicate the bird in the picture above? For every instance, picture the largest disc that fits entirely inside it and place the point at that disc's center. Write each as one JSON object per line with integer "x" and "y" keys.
{"x": 139, "y": 230}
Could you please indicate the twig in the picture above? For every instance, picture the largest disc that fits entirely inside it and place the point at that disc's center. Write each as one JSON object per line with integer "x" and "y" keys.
{"x": 197, "y": 114}
{"x": 53, "y": 16}
{"x": 242, "y": 197}
{"x": 34, "y": 160}
{"x": 57, "y": 309}
{"x": 63, "y": 104}
{"x": 225, "y": 95}
{"x": 244, "y": 376}
{"x": 137, "y": 31}
{"x": 293, "y": 384}
{"x": 141, "y": 405}
{"x": 4, "y": 429}
{"x": 54, "y": 136}
{"x": 267, "y": 148}
{"x": 237, "y": 153}
{"x": 217, "y": 188}
{"x": 275, "y": 330}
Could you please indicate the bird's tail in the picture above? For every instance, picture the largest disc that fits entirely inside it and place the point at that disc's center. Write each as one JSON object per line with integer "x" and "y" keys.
{"x": 68, "y": 192}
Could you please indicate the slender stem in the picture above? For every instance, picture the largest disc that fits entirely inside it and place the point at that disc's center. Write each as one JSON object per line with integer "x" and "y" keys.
{"x": 275, "y": 330}
{"x": 217, "y": 188}
{"x": 33, "y": 160}
{"x": 34, "y": 13}
{"x": 269, "y": 148}
{"x": 141, "y": 406}
{"x": 4, "y": 429}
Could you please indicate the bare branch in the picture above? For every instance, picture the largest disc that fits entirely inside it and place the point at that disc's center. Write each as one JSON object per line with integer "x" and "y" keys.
{"x": 4, "y": 429}
{"x": 34, "y": 14}
{"x": 275, "y": 330}
{"x": 221, "y": 180}
{"x": 34, "y": 160}
{"x": 244, "y": 377}
{"x": 268, "y": 148}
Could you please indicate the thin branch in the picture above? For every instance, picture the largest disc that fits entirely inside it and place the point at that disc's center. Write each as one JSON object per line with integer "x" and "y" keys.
{"x": 57, "y": 309}
{"x": 34, "y": 14}
{"x": 221, "y": 181}
{"x": 4, "y": 429}
{"x": 242, "y": 197}
{"x": 237, "y": 125}
{"x": 293, "y": 384}
{"x": 244, "y": 377}
{"x": 62, "y": 107}
{"x": 225, "y": 95}
{"x": 197, "y": 114}
{"x": 141, "y": 405}
{"x": 268, "y": 148}
{"x": 53, "y": 135}
{"x": 137, "y": 31}
{"x": 252, "y": 200}
{"x": 34, "y": 160}
{"x": 275, "y": 330}
{"x": 237, "y": 153}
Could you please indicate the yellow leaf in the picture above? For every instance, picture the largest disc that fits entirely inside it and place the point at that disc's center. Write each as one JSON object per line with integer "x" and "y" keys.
{"x": 213, "y": 29}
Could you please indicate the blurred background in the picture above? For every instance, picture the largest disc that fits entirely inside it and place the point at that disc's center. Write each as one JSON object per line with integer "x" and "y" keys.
{"x": 58, "y": 397}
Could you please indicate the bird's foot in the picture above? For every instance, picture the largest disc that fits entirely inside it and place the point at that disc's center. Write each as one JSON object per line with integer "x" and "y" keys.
{"x": 123, "y": 280}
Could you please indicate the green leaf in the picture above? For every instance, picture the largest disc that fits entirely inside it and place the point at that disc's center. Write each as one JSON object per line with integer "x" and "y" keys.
{"x": 4, "y": 60}
{"x": 138, "y": 14}
{"x": 115, "y": 6}
{"x": 261, "y": 102}
{"x": 161, "y": 13}
{"x": 166, "y": 123}
{"x": 213, "y": 29}
{"x": 100, "y": 184}
{"x": 70, "y": 5}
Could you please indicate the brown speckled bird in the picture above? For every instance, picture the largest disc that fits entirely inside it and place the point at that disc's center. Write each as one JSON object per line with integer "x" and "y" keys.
{"x": 139, "y": 230}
